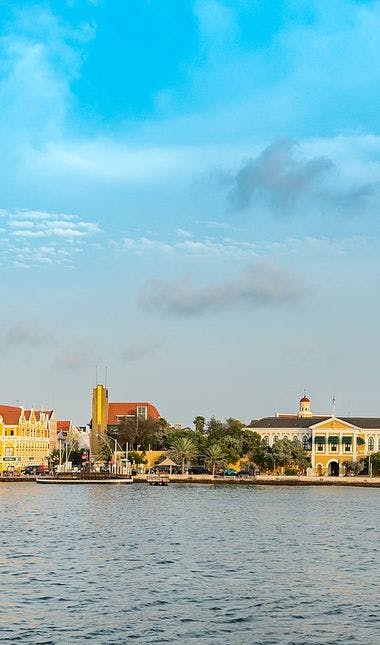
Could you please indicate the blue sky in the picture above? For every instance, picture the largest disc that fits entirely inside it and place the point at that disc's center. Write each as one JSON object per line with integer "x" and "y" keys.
{"x": 190, "y": 195}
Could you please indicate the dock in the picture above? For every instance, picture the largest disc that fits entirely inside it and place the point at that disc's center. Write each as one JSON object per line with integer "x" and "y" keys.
{"x": 158, "y": 480}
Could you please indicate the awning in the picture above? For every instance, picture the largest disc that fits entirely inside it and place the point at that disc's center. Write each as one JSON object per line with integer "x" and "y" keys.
{"x": 360, "y": 441}
{"x": 319, "y": 439}
{"x": 333, "y": 439}
{"x": 347, "y": 440}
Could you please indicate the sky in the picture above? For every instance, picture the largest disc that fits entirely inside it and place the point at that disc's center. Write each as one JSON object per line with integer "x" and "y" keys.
{"x": 189, "y": 197}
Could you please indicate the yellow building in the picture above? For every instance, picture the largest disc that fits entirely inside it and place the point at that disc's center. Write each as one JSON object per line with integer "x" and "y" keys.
{"x": 24, "y": 437}
{"x": 107, "y": 415}
{"x": 330, "y": 440}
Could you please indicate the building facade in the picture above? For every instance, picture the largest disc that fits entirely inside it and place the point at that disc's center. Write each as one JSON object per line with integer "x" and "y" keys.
{"x": 107, "y": 415}
{"x": 330, "y": 440}
{"x": 24, "y": 437}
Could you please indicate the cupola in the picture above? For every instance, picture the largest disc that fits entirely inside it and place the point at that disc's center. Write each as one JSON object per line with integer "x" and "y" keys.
{"x": 304, "y": 408}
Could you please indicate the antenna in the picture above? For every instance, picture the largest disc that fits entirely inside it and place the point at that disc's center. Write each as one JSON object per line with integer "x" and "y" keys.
{"x": 333, "y": 405}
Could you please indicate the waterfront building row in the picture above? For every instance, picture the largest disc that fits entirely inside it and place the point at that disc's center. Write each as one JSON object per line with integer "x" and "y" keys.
{"x": 28, "y": 437}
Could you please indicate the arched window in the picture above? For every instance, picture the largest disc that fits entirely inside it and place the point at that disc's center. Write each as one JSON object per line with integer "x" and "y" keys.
{"x": 305, "y": 441}
{"x": 266, "y": 439}
{"x": 275, "y": 438}
{"x": 371, "y": 444}
{"x": 9, "y": 450}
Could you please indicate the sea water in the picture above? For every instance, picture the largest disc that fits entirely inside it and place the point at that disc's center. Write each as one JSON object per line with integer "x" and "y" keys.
{"x": 189, "y": 564}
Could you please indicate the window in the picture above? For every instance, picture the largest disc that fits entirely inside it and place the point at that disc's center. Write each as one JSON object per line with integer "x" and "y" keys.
{"x": 333, "y": 447}
{"x": 347, "y": 447}
{"x": 9, "y": 452}
{"x": 320, "y": 443}
{"x": 266, "y": 439}
{"x": 142, "y": 411}
{"x": 371, "y": 444}
{"x": 275, "y": 438}
{"x": 305, "y": 441}
{"x": 378, "y": 444}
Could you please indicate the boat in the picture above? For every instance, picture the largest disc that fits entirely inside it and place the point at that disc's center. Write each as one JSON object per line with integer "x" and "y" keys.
{"x": 88, "y": 479}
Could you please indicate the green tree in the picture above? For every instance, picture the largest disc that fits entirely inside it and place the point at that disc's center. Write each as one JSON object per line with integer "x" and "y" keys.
{"x": 183, "y": 450}
{"x": 137, "y": 458}
{"x": 287, "y": 452}
{"x": 199, "y": 423}
{"x": 233, "y": 447}
{"x": 299, "y": 454}
{"x": 250, "y": 441}
{"x": 353, "y": 467}
{"x": 215, "y": 429}
{"x": 260, "y": 453}
{"x": 105, "y": 450}
{"x": 375, "y": 461}
{"x": 215, "y": 457}
{"x": 233, "y": 426}
{"x": 136, "y": 431}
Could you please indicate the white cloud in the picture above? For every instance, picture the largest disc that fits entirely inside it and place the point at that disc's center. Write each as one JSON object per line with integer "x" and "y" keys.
{"x": 35, "y": 238}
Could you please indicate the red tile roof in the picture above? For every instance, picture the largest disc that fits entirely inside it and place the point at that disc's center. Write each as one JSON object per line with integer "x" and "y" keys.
{"x": 129, "y": 409}
{"x": 11, "y": 414}
{"x": 63, "y": 425}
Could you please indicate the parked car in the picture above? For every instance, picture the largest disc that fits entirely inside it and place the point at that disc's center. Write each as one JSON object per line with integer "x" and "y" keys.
{"x": 249, "y": 473}
{"x": 198, "y": 470}
{"x": 36, "y": 470}
{"x": 230, "y": 472}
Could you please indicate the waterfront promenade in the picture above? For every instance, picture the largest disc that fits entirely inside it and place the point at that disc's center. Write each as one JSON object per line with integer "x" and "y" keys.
{"x": 258, "y": 480}
{"x": 271, "y": 480}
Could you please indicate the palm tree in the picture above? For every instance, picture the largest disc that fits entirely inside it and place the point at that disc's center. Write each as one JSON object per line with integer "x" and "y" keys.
{"x": 215, "y": 457}
{"x": 199, "y": 423}
{"x": 182, "y": 449}
{"x": 105, "y": 451}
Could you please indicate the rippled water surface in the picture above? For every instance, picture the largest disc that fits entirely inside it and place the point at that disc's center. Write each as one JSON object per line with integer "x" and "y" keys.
{"x": 260, "y": 565}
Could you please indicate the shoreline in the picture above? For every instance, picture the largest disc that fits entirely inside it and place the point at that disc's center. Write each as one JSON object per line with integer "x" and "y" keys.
{"x": 258, "y": 480}
{"x": 271, "y": 480}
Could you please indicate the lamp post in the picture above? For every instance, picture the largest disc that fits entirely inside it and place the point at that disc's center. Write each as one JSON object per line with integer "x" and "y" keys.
{"x": 115, "y": 456}
{"x": 126, "y": 458}
{"x": 60, "y": 438}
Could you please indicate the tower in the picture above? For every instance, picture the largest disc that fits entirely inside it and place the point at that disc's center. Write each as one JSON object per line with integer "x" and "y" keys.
{"x": 305, "y": 408}
{"x": 99, "y": 417}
